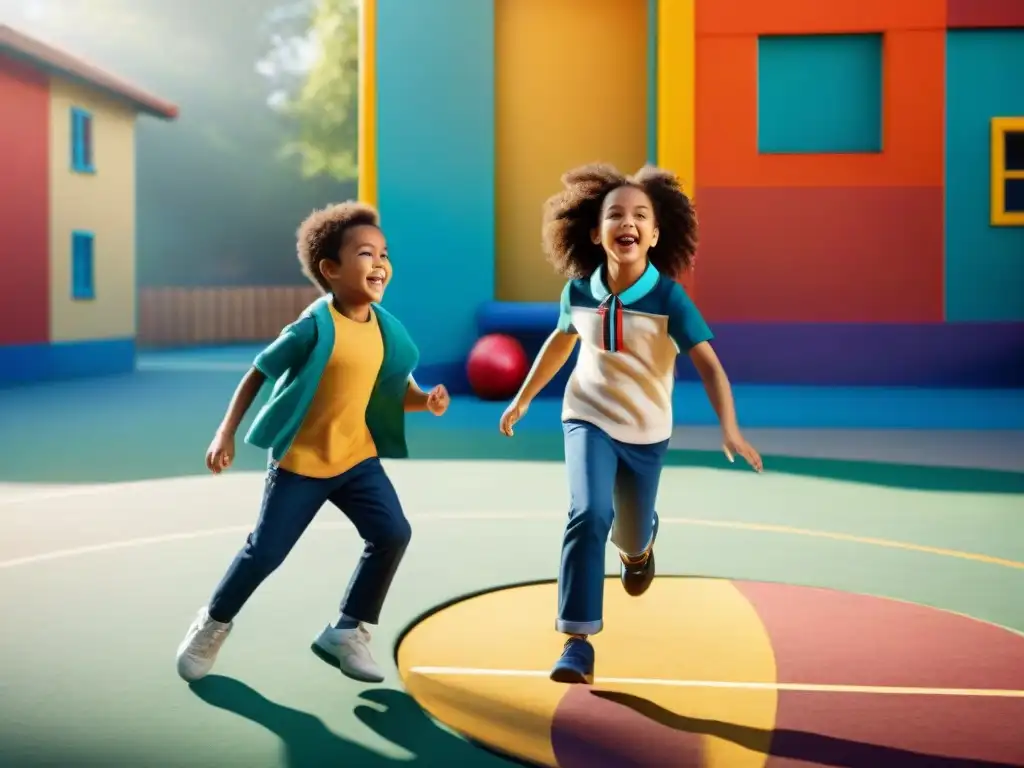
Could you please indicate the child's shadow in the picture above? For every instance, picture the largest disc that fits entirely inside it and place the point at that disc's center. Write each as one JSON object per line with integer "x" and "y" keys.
{"x": 308, "y": 742}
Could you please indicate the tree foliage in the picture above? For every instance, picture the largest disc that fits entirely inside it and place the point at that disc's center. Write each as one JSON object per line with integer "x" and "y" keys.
{"x": 325, "y": 105}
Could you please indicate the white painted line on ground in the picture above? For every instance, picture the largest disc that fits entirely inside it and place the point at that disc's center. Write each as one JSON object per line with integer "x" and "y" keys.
{"x": 847, "y": 537}
{"x": 110, "y": 546}
{"x": 72, "y": 490}
{"x": 522, "y": 516}
{"x": 728, "y": 684}
{"x": 165, "y": 538}
{"x": 58, "y": 493}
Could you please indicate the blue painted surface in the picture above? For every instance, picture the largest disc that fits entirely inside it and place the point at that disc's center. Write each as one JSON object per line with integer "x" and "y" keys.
{"x": 759, "y": 405}
{"x": 802, "y": 408}
{"x": 31, "y": 363}
{"x": 435, "y": 157}
{"x": 819, "y": 93}
{"x": 830, "y": 354}
{"x": 652, "y": 81}
{"x": 984, "y": 264}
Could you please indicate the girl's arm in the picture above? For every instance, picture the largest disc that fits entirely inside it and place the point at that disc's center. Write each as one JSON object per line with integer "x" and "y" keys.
{"x": 716, "y": 384}
{"x": 552, "y": 356}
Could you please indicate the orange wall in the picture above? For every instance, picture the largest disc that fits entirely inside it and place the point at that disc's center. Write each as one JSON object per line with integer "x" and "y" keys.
{"x": 570, "y": 89}
{"x": 821, "y": 237}
{"x": 810, "y": 17}
{"x": 913, "y": 108}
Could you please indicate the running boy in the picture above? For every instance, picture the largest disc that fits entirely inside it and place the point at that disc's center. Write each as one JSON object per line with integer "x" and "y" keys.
{"x": 620, "y": 241}
{"x": 343, "y": 373}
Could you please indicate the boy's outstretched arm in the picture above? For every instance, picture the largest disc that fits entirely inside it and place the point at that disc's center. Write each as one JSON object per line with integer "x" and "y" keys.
{"x": 222, "y": 449}
{"x": 552, "y": 356}
{"x": 716, "y": 384}
{"x": 291, "y": 346}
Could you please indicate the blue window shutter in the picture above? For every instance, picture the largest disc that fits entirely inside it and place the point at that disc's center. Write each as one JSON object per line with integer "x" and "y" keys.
{"x": 81, "y": 140}
{"x": 82, "y": 266}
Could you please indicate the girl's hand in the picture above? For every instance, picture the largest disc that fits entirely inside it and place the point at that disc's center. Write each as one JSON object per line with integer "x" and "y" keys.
{"x": 515, "y": 411}
{"x": 734, "y": 443}
{"x": 438, "y": 400}
{"x": 221, "y": 452}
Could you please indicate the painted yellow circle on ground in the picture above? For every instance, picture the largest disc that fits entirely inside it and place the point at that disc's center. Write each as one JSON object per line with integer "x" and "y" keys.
{"x": 480, "y": 666}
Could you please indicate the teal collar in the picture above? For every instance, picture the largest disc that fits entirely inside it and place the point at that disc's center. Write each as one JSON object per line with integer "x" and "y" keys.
{"x": 631, "y": 295}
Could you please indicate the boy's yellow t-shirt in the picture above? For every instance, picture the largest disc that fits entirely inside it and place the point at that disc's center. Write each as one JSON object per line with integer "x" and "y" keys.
{"x": 334, "y": 437}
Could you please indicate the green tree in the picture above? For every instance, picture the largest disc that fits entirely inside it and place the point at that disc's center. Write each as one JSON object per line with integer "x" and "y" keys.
{"x": 325, "y": 105}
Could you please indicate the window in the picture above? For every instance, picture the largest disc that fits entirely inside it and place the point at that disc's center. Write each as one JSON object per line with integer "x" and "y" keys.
{"x": 1008, "y": 171}
{"x": 81, "y": 141}
{"x": 819, "y": 94}
{"x": 82, "y": 266}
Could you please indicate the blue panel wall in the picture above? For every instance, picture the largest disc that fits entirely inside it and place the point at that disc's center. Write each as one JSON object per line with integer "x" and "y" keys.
{"x": 984, "y": 264}
{"x": 819, "y": 93}
{"x": 435, "y": 156}
{"x": 34, "y": 363}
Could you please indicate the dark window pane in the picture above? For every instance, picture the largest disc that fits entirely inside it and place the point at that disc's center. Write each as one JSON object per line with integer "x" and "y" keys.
{"x": 1014, "y": 150}
{"x": 87, "y": 140}
{"x": 1015, "y": 195}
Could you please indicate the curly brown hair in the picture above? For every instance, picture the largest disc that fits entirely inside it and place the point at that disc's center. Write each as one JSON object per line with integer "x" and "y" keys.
{"x": 572, "y": 214}
{"x": 322, "y": 234}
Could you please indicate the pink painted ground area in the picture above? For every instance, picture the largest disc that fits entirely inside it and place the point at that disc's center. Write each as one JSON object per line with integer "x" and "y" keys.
{"x": 835, "y": 638}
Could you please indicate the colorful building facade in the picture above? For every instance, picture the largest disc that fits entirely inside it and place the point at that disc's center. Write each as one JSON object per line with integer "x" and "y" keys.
{"x": 67, "y": 213}
{"x": 857, "y": 167}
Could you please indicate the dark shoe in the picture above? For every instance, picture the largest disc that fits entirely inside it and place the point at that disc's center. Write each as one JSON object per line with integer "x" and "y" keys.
{"x": 576, "y": 664}
{"x": 637, "y": 578}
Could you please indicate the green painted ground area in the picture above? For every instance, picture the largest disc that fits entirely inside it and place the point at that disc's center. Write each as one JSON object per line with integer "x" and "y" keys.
{"x": 87, "y": 676}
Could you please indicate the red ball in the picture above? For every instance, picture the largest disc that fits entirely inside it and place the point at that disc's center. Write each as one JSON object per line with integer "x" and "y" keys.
{"x": 497, "y": 367}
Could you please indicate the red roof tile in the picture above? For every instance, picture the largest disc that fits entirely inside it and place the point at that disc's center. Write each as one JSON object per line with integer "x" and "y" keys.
{"x": 55, "y": 61}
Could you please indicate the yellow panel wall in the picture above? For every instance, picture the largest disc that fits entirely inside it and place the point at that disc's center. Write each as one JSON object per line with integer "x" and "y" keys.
{"x": 571, "y": 89}
{"x": 102, "y": 203}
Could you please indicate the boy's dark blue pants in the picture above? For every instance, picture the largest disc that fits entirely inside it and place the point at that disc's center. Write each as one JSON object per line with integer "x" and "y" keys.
{"x": 612, "y": 490}
{"x": 290, "y": 502}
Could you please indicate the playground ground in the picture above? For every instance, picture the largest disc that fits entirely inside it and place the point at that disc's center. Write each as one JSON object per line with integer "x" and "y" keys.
{"x": 891, "y": 516}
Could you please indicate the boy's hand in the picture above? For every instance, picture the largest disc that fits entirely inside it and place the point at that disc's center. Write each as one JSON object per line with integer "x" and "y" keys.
{"x": 515, "y": 411}
{"x": 734, "y": 443}
{"x": 438, "y": 400}
{"x": 221, "y": 452}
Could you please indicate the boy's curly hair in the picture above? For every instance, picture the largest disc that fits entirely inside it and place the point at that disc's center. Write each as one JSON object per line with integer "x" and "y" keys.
{"x": 571, "y": 215}
{"x": 321, "y": 235}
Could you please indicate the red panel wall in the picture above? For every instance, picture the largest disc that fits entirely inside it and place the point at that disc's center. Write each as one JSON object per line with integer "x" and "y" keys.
{"x": 831, "y": 237}
{"x": 979, "y": 14}
{"x": 24, "y": 205}
{"x": 831, "y": 254}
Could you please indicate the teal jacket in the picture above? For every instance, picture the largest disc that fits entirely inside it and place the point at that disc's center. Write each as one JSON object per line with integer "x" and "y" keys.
{"x": 295, "y": 360}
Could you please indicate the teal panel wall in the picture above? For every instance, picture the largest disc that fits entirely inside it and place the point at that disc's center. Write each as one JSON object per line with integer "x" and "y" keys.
{"x": 819, "y": 93}
{"x": 435, "y": 157}
{"x": 984, "y": 264}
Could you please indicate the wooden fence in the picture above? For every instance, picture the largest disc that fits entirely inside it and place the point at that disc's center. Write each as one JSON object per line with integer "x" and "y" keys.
{"x": 183, "y": 316}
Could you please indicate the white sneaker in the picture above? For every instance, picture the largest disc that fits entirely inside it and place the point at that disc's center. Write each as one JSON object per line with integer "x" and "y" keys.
{"x": 198, "y": 651}
{"x": 348, "y": 650}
